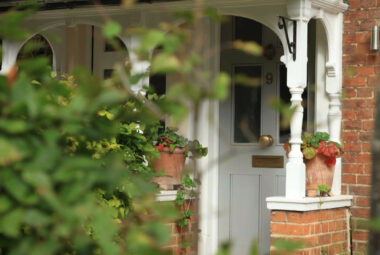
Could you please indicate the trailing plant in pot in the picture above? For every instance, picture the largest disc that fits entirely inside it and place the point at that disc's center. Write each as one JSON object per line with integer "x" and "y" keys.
{"x": 320, "y": 158}
{"x": 174, "y": 149}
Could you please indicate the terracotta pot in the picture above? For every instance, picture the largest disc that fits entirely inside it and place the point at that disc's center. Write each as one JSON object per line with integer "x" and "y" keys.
{"x": 318, "y": 173}
{"x": 172, "y": 163}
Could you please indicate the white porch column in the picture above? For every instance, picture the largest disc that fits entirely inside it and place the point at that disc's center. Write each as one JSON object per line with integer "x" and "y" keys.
{"x": 10, "y": 52}
{"x": 335, "y": 118}
{"x": 297, "y": 81}
{"x": 138, "y": 66}
{"x": 333, "y": 89}
{"x": 330, "y": 13}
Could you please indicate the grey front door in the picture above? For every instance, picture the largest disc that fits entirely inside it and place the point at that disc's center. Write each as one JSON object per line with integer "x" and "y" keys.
{"x": 244, "y": 117}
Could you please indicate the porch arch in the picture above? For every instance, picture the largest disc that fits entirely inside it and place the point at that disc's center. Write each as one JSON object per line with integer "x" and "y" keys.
{"x": 48, "y": 50}
{"x": 270, "y": 21}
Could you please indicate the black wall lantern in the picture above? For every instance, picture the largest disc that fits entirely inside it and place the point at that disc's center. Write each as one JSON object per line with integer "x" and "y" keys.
{"x": 292, "y": 46}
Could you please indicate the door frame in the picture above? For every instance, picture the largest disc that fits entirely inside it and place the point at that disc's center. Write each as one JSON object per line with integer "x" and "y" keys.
{"x": 209, "y": 129}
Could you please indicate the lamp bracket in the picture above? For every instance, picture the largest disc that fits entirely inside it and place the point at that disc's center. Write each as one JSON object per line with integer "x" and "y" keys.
{"x": 292, "y": 46}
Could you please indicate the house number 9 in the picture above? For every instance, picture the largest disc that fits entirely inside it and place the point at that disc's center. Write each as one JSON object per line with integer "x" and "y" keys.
{"x": 269, "y": 78}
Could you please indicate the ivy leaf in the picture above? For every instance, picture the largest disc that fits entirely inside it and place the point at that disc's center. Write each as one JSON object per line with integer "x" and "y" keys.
{"x": 180, "y": 199}
{"x": 188, "y": 182}
{"x": 189, "y": 213}
{"x": 183, "y": 222}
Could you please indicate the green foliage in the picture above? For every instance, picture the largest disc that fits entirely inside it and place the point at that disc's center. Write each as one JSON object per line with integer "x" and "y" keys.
{"x": 287, "y": 246}
{"x": 314, "y": 140}
{"x": 185, "y": 196}
{"x": 169, "y": 138}
{"x": 251, "y": 48}
{"x": 286, "y": 111}
{"x": 309, "y": 153}
{"x": 188, "y": 182}
{"x": 312, "y": 144}
{"x": 165, "y": 63}
{"x": 323, "y": 188}
{"x": 111, "y": 29}
{"x": 180, "y": 198}
{"x": 375, "y": 224}
{"x": 225, "y": 249}
{"x": 74, "y": 151}
{"x": 221, "y": 86}
{"x": 74, "y": 177}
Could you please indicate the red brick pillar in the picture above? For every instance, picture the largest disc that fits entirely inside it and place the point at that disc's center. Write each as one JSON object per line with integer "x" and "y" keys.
{"x": 321, "y": 232}
{"x": 360, "y": 72}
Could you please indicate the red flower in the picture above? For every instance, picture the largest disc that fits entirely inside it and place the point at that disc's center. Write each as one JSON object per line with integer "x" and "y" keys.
{"x": 322, "y": 148}
{"x": 160, "y": 147}
{"x": 330, "y": 161}
{"x": 332, "y": 150}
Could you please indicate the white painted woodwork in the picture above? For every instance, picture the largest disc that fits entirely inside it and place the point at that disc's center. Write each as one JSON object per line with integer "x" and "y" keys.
{"x": 297, "y": 81}
{"x": 308, "y": 204}
{"x": 105, "y": 60}
{"x": 10, "y": 51}
{"x": 138, "y": 66}
{"x": 57, "y": 39}
{"x": 167, "y": 195}
{"x": 208, "y": 135}
{"x": 321, "y": 97}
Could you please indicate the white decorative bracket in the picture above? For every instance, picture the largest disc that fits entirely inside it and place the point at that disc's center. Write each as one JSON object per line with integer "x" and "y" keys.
{"x": 330, "y": 69}
{"x": 10, "y": 52}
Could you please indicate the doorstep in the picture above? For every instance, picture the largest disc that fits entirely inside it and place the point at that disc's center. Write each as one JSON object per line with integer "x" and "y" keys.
{"x": 308, "y": 203}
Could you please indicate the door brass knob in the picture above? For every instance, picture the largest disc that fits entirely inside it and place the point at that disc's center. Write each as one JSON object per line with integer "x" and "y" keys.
{"x": 266, "y": 140}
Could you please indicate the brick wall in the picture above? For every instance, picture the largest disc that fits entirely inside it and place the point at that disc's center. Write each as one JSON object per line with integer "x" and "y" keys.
{"x": 182, "y": 242}
{"x": 361, "y": 69}
{"x": 183, "y": 239}
{"x": 322, "y": 232}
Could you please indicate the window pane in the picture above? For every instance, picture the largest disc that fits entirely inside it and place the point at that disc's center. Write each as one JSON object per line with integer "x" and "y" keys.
{"x": 248, "y": 30}
{"x": 115, "y": 46}
{"x": 247, "y": 110}
{"x": 285, "y": 97}
{"x": 158, "y": 83}
{"x": 107, "y": 73}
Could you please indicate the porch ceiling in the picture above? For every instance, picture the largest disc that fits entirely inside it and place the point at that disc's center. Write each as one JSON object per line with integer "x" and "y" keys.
{"x": 69, "y": 4}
